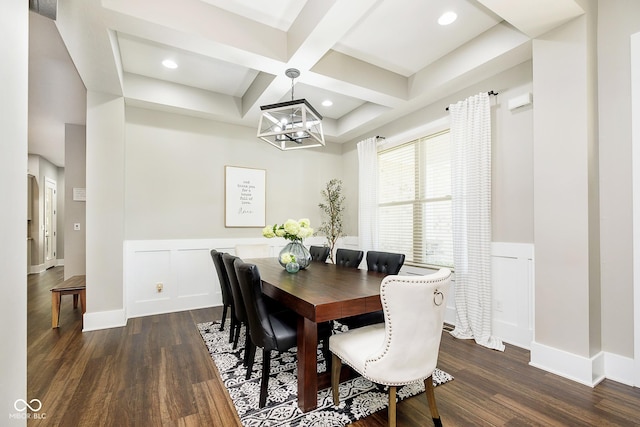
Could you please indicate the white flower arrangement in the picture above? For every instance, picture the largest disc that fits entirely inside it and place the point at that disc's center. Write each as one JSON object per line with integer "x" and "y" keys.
{"x": 287, "y": 258}
{"x": 292, "y": 230}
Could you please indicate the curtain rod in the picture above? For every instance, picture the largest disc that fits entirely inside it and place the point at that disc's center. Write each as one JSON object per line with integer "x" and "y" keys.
{"x": 491, "y": 92}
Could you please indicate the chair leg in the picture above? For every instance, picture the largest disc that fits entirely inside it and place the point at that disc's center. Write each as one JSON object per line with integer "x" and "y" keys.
{"x": 264, "y": 381}
{"x": 431, "y": 398}
{"x": 251, "y": 355}
{"x": 248, "y": 347}
{"x": 237, "y": 335}
{"x": 234, "y": 324}
{"x": 224, "y": 317}
{"x": 392, "y": 406}
{"x": 326, "y": 353}
{"x": 336, "y": 367}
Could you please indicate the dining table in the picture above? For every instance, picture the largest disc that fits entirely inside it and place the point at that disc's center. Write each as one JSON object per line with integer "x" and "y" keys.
{"x": 319, "y": 293}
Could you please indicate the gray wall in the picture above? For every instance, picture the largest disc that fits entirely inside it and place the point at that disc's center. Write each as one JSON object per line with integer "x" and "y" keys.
{"x": 174, "y": 186}
{"x": 617, "y": 21}
{"x": 512, "y": 148}
{"x": 75, "y": 211}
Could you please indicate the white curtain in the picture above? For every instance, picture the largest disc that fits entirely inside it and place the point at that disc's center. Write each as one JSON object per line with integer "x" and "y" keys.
{"x": 368, "y": 194}
{"x": 471, "y": 194}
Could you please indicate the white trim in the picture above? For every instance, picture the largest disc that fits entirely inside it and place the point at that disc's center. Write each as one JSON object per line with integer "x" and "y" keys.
{"x": 415, "y": 133}
{"x": 635, "y": 173}
{"x": 619, "y": 368}
{"x": 587, "y": 371}
{"x": 104, "y": 320}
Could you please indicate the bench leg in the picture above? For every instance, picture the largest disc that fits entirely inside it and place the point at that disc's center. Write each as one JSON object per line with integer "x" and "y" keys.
{"x": 75, "y": 301}
{"x": 83, "y": 303}
{"x": 55, "y": 309}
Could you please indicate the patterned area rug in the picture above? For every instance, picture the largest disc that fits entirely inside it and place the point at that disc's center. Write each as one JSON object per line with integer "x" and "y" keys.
{"x": 358, "y": 397}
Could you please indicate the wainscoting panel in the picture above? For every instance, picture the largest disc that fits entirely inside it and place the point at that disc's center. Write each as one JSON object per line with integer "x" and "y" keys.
{"x": 183, "y": 270}
{"x": 513, "y": 284}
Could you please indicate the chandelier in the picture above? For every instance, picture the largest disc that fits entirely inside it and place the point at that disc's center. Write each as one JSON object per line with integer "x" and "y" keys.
{"x": 291, "y": 124}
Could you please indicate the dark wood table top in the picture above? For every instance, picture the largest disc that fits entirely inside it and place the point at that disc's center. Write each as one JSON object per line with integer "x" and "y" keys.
{"x": 322, "y": 291}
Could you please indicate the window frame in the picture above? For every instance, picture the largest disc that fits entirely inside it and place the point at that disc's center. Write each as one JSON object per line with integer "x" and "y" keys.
{"x": 420, "y": 200}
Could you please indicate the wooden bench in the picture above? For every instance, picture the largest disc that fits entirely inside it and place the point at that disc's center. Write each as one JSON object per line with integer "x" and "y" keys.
{"x": 76, "y": 286}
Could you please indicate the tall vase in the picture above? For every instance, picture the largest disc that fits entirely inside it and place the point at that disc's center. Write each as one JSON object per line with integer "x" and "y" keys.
{"x": 298, "y": 250}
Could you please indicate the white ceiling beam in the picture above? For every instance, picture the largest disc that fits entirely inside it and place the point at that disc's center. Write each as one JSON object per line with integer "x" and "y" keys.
{"x": 143, "y": 90}
{"x": 535, "y": 17}
{"x": 492, "y": 44}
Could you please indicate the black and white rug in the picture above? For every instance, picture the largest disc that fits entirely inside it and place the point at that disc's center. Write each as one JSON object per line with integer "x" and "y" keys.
{"x": 358, "y": 397}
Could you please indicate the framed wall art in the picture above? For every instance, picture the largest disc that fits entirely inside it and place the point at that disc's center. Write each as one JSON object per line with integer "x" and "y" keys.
{"x": 245, "y": 197}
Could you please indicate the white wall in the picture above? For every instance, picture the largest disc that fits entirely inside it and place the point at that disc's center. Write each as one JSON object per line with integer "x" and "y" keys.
{"x": 14, "y": 45}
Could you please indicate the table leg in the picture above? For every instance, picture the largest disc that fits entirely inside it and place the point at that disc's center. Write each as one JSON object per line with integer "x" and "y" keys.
{"x": 307, "y": 364}
{"x": 55, "y": 309}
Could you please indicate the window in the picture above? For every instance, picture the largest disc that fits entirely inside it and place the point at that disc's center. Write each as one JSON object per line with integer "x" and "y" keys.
{"x": 415, "y": 200}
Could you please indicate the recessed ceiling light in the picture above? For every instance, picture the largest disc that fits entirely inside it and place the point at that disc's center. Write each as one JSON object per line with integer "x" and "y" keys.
{"x": 447, "y": 18}
{"x": 327, "y": 103}
{"x": 170, "y": 63}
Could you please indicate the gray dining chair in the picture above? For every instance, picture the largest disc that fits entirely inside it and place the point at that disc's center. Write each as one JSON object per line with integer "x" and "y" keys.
{"x": 404, "y": 349}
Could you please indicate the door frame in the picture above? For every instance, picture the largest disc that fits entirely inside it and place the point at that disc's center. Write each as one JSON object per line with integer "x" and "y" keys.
{"x": 50, "y": 183}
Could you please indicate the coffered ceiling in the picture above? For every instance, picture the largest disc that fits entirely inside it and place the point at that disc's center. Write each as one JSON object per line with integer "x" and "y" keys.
{"x": 376, "y": 60}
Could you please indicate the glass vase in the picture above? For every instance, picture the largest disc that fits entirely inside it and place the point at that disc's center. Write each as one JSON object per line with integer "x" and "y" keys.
{"x": 297, "y": 250}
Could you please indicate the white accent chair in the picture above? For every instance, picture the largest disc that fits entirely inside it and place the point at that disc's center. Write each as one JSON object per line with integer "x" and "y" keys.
{"x": 253, "y": 251}
{"x": 404, "y": 349}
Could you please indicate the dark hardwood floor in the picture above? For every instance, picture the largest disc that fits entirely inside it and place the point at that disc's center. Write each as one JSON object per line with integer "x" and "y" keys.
{"x": 157, "y": 372}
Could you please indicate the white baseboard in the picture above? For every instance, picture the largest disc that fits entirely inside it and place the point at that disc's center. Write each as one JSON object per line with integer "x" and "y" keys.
{"x": 589, "y": 371}
{"x": 104, "y": 320}
{"x": 37, "y": 269}
{"x": 619, "y": 368}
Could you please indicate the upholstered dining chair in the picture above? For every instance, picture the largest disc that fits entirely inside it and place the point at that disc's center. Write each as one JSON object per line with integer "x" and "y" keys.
{"x": 238, "y": 304}
{"x": 227, "y": 296}
{"x": 349, "y": 257}
{"x": 382, "y": 262}
{"x": 319, "y": 253}
{"x": 404, "y": 349}
{"x": 270, "y": 330}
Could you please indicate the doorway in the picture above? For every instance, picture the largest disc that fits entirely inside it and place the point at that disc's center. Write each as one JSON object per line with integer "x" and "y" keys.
{"x": 50, "y": 211}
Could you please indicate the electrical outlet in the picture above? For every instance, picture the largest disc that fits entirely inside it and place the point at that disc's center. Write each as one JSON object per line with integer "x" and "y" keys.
{"x": 76, "y": 226}
{"x": 159, "y": 287}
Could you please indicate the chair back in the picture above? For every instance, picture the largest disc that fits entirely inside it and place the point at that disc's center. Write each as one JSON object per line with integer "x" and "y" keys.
{"x": 414, "y": 308}
{"x": 223, "y": 277}
{"x": 384, "y": 262}
{"x": 261, "y": 330}
{"x": 319, "y": 253}
{"x": 252, "y": 251}
{"x": 349, "y": 257}
{"x": 238, "y": 302}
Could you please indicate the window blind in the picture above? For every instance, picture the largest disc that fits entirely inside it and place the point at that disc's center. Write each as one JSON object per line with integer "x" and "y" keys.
{"x": 415, "y": 200}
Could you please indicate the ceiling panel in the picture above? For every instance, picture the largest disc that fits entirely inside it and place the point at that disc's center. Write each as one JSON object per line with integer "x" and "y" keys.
{"x": 403, "y": 36}
{"x": 144, "y": 57}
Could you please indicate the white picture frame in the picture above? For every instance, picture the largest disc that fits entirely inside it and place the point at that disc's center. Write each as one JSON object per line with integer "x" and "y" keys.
{"x": 245, "y": 197}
